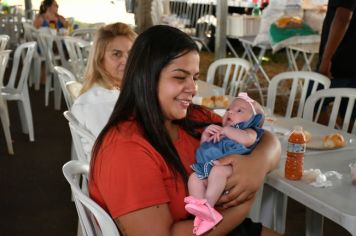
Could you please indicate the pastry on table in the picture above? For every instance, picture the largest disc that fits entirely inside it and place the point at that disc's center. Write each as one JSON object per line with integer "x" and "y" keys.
{"x": 307, "y": 135}
{"x": 334, "y": 140}
{"x": 221, "y": 101}
{"x": 204, "y": 101}
{"x": 212, "y": 101}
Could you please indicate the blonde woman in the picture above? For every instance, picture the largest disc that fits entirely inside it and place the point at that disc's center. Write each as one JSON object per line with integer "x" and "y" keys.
{"x": 103, "y": 76}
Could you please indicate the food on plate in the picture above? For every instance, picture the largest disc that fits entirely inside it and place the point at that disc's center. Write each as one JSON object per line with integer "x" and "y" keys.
{"x": 208, "y": 102}
{"x": 221, "y": 101}
{"x": 212, "y": 101}
{"x": 204, "y": 101}
{"x": 307, "y": 135}
{"x": 333, "y": 140}
{"x": 289, "y": 22}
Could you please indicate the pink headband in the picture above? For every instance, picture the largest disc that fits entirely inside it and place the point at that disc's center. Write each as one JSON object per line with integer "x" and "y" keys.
{"x": 249, "y": 100}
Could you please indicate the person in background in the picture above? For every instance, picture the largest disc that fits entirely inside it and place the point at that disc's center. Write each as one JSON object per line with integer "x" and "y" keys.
{"x": 103, "y": 76}
{"x": 141, "y": 160}
{"x": 239, "y": 134}
{"x": 48, "y": 16}
{"x": 337, "y": 53}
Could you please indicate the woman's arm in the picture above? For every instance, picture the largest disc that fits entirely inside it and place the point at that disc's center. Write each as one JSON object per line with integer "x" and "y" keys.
{"x": 63, "y": 20}
{"x": 37, "y": 22}
{"x": 246, "y": 137}
{"x": 156, "y": 220}
{"x": 249, "y": 171}
{"x": 337, "y": 32}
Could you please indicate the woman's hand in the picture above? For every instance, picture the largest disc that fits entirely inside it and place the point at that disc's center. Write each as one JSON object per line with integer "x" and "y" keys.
{"x": 244, "y": 182}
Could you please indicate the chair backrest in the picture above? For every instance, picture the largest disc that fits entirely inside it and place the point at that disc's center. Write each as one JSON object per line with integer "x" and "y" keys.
{"x": 194, "y": 17}
{"x": 4, "y": 58}
{"x": 24, "y": 54}
{"x": 83, "y": 139}
{"x": 49, "y": 44}
{"x": 65, "y": 76}
{"x": 78, "y": 54}
{"x": 295, "y": 86}
{"x": 336, "y": 95}
{"x": 3, "y": 41}
{"x": 86, "y": 34}
{"x": 235, "y": 71}
{"x": 29, "y": 31}
{"x": 93, "y": 219}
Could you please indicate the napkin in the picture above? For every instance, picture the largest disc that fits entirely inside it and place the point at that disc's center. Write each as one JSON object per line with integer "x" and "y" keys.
{"x": 317, "y": 179}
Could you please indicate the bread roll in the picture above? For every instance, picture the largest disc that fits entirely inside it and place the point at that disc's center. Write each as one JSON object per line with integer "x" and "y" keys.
{"x": 221, "y": 101}
{"x": 334, "y": 140}
{"x": 204, "y": 101}
{"x": 208, "y": 102}
{"x": 307, "y": 135}
{"x": 289, "y": 21}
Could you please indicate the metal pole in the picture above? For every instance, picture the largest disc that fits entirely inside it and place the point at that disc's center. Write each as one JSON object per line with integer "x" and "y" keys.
{"x": 220, "y": 36}
{"x": 28, "y": 8}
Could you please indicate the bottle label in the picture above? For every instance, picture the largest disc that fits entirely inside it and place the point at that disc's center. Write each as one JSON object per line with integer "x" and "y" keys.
{"x": 296, "y": 147}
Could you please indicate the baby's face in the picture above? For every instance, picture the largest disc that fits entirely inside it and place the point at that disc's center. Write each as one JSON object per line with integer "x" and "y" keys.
{"x": 238, "y": 111}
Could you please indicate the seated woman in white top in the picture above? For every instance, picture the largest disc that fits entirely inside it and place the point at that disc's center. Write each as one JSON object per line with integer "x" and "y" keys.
{"x": 103, "y": 76}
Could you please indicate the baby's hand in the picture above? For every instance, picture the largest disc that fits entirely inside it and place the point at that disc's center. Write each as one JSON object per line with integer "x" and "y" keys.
{"x": 210, "y": 133}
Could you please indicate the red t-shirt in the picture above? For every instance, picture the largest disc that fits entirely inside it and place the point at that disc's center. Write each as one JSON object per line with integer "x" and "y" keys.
{"x": 129, "y": 174}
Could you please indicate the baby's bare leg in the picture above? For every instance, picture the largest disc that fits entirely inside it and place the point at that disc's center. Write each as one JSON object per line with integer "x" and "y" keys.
{"x": 216, "y": 183}
{"x": 196, "y": 186}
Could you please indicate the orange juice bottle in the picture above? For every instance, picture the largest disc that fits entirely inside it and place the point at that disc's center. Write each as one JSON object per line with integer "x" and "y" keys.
{"x": 293, "y": 169}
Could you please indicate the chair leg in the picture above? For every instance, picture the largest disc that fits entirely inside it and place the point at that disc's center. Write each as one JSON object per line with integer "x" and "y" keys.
{"x": 37, "y": 73}
{"x": 57, "y": 93}
{"x": 26, "y": 115}
{"x": 6, "y": 127}
{"x": 48, "y": 87}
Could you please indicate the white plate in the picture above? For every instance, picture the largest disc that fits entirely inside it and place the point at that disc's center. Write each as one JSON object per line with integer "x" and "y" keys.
{"x": 220, "y": 112}
{"x": 316, "y": 143}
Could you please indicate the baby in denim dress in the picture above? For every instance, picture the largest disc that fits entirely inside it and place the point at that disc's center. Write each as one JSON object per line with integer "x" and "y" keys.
{"x": 239, "y": 134}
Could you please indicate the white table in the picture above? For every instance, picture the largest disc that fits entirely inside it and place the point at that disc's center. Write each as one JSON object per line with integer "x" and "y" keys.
{"x": 307, "y": 51}
{"x": 336, "y": 202}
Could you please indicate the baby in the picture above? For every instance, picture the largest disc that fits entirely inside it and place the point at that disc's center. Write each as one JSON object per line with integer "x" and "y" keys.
{"x": 239, "y": 134}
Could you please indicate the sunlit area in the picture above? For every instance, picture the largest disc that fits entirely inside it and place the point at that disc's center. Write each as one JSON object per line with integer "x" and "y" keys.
{"x": 89, "y": 11}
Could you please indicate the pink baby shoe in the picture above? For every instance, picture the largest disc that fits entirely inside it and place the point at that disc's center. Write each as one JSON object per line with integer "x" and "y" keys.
{"x": 203, "y": 226}
{"x": 206, "y": 216}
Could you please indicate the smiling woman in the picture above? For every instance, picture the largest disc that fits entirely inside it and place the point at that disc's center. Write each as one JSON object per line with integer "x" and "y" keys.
{"x": 143, "y": 155}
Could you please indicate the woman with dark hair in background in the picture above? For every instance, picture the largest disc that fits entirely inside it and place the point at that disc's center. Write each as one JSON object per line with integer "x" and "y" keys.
{"x": 48, "y": 16}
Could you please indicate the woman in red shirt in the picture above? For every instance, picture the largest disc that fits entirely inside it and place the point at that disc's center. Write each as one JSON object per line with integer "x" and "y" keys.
{"x": 141, "y": 161}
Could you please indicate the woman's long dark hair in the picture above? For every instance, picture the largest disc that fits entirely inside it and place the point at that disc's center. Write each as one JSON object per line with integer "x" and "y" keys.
{"x": 152, "y": 51}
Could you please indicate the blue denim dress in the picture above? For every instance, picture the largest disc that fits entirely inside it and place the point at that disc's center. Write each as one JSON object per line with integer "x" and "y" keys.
{"x": 210, "y": 151}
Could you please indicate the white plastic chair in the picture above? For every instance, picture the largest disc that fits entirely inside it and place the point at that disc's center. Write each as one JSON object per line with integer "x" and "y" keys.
{"x": 17, "y": 86}
{"x": 4, "y": 113}
{"x": 3, "y": 41}
{"x": 194, "y": 17}
{"x": 78, "y": 54}
{"x": 235, "y": 73}
{"x": 93, "y": 219}
{"x": 336, "y": 94}
{"x": 295, "y": 88}
{"x": 86, "y": 34}
{"x": 48, "y": 42}
{"x": 83, "y": 139}
{"x": 39, "y": 57}
{"x": 64, "y": 77}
